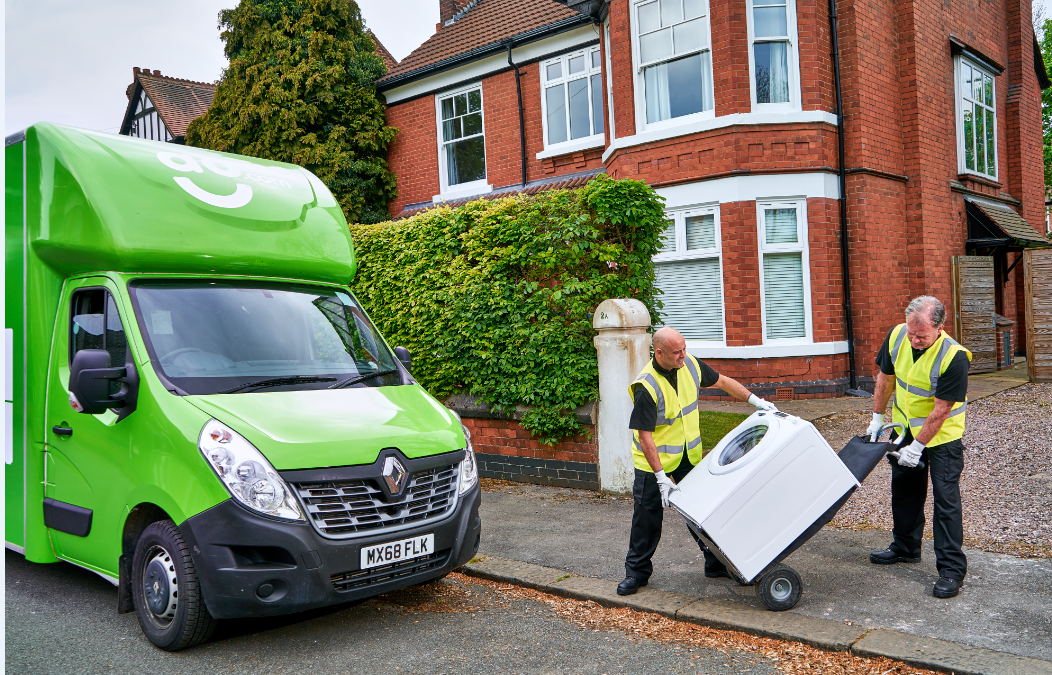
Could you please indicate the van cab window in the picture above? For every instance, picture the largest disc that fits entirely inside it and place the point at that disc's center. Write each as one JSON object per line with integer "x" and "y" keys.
{"x": 96, "y": 324}
{"x": 219, "y": 337}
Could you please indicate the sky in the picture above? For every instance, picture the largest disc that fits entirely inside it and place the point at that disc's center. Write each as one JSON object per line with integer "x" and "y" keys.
{"x": 70, "y": 61}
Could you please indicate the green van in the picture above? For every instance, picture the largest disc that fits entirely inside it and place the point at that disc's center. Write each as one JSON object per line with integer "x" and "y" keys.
{"x": 198, "y": 408}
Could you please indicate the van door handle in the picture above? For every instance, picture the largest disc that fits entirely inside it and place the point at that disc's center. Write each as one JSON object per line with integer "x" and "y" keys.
{"x": 62, "y": 431}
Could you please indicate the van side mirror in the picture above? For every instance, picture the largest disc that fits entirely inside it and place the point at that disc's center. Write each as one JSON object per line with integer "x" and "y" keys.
{"x": 90, "y": 376}
{"x": 402, "y": 354}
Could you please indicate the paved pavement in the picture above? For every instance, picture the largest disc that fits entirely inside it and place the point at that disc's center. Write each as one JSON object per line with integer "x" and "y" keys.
{"x": 1005, "y": 605}
{"x": 62, "y": 619}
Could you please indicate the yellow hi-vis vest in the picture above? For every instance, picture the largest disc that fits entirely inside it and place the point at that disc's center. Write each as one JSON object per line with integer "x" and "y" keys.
{"x": 915, "y": 384}
{"x": 678, "y": 423}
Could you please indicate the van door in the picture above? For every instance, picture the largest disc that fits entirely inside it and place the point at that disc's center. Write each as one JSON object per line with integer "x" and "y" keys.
{"x": 87, "y": 455}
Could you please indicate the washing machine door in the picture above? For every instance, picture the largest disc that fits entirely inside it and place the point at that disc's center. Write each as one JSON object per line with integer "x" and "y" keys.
{"x": 740, "y": 450}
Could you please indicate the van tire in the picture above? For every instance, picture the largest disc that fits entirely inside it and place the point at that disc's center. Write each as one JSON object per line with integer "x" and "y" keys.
{"x": 166, "y": 592}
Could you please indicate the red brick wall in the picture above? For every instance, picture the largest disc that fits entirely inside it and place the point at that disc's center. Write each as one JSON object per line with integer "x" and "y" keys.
{"x": 507, "y": 437}
{"x": 413, "y": 156}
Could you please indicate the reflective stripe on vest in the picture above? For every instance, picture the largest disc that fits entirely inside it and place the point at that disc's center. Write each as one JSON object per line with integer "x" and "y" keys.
{"x": 677, "y": 426}
{"x": 913, "y": 400}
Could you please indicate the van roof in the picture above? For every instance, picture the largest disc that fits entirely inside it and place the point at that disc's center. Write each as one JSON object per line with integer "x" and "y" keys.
{"x": 102, "y": 202}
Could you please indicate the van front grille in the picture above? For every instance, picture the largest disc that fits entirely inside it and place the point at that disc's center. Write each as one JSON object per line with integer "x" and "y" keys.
{"x": 354, "y": 508}
{"x": 346, "y": 581}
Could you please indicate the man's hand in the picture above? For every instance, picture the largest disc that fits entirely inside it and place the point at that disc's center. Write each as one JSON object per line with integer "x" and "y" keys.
{"x": 910, "y": 455}
{"x": 875, "y": 426}
{"x": 762, "y": 404}
{"x": 666, "y": 486}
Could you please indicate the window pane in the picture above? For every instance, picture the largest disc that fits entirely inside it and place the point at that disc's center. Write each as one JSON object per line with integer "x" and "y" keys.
{"x": 772, "y": 72}
{"x": 690, "y": 36}
{"x": 988, "y": 90}
{"x": 980, "y": 154}
{"x": 783, "y": 288}
{"x": 991, "y": 163}
{"x": 690, "y": 293}
{"x": 969, "y": 140}
{"x": 116, "y": 343}
{"x": 460, "y": 104}
{"x": 671, "y": 12}
{"x": 649, "y": 17}
{"x": 678, "y": 88}
{"x": 447, "y": 108}
{"x": 597, "y": 102}
{"x": 580, "y": 126}
{"x": 693, "y": 8}
{"x": 770, "y": 22}
{"x": 451, "y": 129}
{"x": 576, "y": 65}
{"x": 966, "y": 80}
{"x": 977, "y": 85}
{"x": 475, "y": 100}
{"x": 472, "y": 124}
{"x": 780, "y": 226}
{"x": 701, "y": 232}
{"x": 466, "y": 160}
{"x": 655, "y": 46}
{"x": 556, "y": 101}
{"x": 554, "y": 71}
{"x": 595, "y": 59}
{"x": 668, "y": 237}
{"x": 87, "y": 324}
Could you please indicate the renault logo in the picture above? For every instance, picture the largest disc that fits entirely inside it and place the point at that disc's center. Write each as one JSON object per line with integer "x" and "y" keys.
{"x": 394, "y": 473}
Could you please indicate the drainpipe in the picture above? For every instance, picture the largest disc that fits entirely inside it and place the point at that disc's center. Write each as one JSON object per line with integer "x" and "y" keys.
{"x": 853, "y": 389}
{"x": 522, "y": 123}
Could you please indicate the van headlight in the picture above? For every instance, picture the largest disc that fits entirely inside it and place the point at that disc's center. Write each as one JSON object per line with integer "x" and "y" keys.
{"x": 246, "y": 473}
{"x": 469, "y": 470}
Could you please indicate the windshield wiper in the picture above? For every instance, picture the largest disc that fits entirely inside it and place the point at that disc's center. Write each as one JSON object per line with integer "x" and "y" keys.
{"x": 355, "y": 379}
{"x": 277, "y": 382}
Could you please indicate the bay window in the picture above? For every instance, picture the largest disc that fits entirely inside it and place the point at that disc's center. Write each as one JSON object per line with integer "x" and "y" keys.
{"x": 689, "y": 274}
{"x": 785, "y": 279}
{"x": 772, "y": 33}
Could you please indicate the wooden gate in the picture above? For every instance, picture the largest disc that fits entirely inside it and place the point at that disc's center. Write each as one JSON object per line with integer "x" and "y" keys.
{"x": 1037, "y": 274}
{"x": 974, "y": 305}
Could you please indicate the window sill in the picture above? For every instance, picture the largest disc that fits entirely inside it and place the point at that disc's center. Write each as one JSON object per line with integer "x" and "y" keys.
{"x": 720, "y": 122}
{"x": 982, "y": 179}
{"x": 469, "y": 190}
{"x": 703, "y": 350}
{"x": 559, "y": 149}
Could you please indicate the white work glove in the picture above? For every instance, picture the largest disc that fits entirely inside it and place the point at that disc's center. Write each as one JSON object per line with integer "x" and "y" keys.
{"x": 875, "y": 426}
{"x": 762, "y": 404}
{"x": 666, "y": 486}
{"x": 910, "y": 455}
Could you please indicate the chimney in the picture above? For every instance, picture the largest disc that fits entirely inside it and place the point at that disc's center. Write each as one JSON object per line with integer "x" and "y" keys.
{"x": 447, "y": 9}
{"x": 135, "y": 71}
{"x": 157, "y": 73}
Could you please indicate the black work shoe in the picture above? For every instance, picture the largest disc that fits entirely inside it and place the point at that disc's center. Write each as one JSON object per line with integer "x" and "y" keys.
{"x": 889, "y": 557}
{"x": 946, "y": 587}
{"x": 630, "y": 585}
{"x": 717, "y": 572}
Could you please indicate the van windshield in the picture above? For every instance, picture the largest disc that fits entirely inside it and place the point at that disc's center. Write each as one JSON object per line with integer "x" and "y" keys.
{"x": 220, "y": 337}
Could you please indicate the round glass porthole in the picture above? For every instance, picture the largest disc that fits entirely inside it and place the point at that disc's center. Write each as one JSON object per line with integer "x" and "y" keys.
{"x": 741, "y": 444}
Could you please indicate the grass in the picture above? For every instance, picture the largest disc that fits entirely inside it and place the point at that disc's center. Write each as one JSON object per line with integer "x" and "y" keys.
{"x": 716, "y": 425}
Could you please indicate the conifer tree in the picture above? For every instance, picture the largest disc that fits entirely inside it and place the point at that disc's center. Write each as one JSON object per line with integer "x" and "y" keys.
{"x": 300, "y": 88}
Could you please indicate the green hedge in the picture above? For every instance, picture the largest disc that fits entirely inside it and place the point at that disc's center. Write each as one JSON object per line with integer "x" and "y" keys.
{"x": 494, "y": 298}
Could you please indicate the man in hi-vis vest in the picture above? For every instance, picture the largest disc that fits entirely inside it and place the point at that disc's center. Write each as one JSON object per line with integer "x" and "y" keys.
{"x": 667, "y": 445}
{"x": 928, "y": 371}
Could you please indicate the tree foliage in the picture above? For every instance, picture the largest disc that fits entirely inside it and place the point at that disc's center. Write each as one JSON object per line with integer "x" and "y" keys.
{"x": 300, "y": 88}
{"x": 494, "y": 298}
{"x": 1046, "y": 100}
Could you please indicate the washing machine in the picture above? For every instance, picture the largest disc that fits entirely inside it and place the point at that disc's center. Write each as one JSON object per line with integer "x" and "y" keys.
{"x": 764, "y": 490}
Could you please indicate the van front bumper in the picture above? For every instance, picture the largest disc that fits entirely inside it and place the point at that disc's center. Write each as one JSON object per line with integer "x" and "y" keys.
{"x": 251, "y": 566}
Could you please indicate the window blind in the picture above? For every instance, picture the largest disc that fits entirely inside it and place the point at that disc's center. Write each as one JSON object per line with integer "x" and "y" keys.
{"x": 701, "y": 232}
{"x": 668, "y": 237}
{"x": 783, "y": 288}
{"x": 692, "y": 298}
{"x": 780, "y": 226}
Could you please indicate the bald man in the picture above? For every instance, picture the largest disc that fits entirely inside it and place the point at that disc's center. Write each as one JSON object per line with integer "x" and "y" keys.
{"x": 667, "y": 445}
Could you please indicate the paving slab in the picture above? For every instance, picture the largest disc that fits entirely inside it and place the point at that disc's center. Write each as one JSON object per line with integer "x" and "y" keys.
{"x": 946, "y": 656}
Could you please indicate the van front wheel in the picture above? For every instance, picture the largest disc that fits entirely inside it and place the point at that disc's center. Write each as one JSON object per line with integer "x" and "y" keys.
{"x": 165, "y": 590}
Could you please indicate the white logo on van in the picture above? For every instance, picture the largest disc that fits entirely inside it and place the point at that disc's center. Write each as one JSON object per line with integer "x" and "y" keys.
{"x": 243, "y": 192}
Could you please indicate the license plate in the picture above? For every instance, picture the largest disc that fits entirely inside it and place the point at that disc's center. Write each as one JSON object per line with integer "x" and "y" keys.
{"x": 397, "y": 551}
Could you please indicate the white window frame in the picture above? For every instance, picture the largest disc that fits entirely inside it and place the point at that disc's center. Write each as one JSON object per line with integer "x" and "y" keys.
{"x": 679, "y": 217}
{"x": 958, "y": 90}
{"x": 801, "y": 246}
{"x": 792, "y": 54}
{"x": 461, "y": 189}
{"x": 571, "y": 145}
{"x": 608, "y": 64}
{"x": 639, "y": 83}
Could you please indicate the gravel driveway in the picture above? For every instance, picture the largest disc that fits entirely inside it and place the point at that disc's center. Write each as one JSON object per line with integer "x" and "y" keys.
{"x": 1006, "y": 486}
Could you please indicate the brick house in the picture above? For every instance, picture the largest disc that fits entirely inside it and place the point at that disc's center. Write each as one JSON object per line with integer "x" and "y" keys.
{"x": 728, "y": 108}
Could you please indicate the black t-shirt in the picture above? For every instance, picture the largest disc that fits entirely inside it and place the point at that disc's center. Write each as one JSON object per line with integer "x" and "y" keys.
{"x": 952, "y": 385}
{"x": 644, "y": 412}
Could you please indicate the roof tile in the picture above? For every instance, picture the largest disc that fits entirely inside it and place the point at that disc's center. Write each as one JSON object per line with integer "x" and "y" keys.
{"x": 1010, "y": 222}
{"x": 178, "y": 101}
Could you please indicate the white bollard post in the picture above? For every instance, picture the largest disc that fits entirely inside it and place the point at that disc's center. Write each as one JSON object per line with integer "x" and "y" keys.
{"x": 623, "y": 344}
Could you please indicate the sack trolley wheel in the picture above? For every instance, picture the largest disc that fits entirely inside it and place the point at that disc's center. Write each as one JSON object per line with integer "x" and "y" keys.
{"x": 779, "y": 588}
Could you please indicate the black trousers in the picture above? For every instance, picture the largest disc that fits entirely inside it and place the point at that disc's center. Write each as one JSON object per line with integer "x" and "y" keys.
{"x": 646, "y": 524}
{"x": 909, "y": 491}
